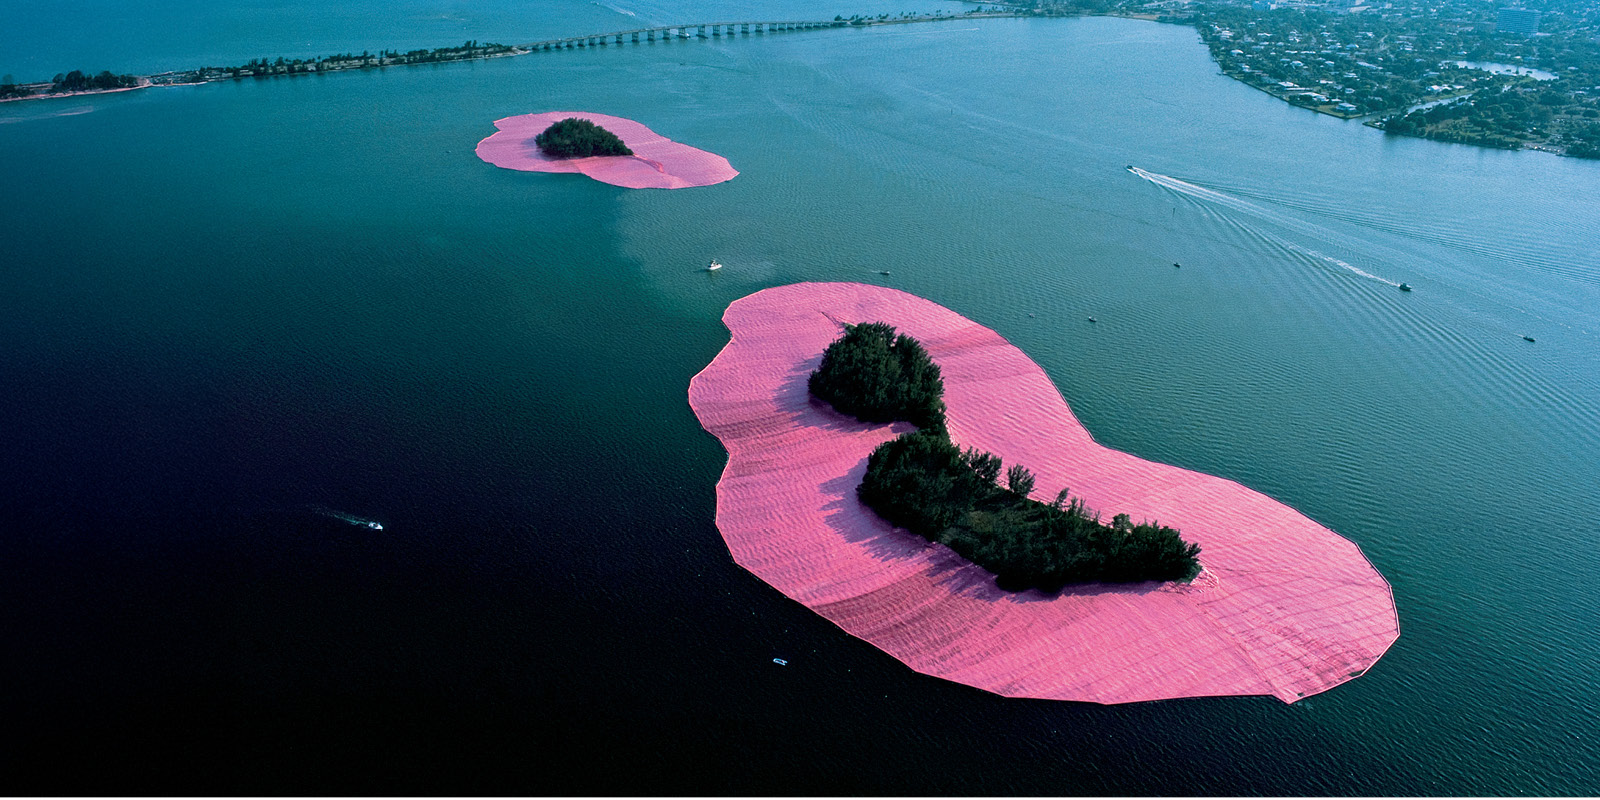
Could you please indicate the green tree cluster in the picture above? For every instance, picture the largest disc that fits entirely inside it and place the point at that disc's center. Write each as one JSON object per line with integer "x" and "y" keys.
{"x": 1585, "y": 142}
{"x": 1502, "y": 118}
{"x": 578, "y": 138}
{"x": 77, "y": 81}
{"x": 923, "y": 482}
{"x": 876, "y": 376}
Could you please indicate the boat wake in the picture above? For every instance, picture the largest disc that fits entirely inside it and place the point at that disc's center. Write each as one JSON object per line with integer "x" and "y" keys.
{"x": 343, "y": 517}
{"x": 617, "y": 9}
{"x": 1216, "y": 198}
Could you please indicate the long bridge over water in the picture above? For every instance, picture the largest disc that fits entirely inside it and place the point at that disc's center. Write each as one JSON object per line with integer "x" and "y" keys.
{"x": 698, "y": 30}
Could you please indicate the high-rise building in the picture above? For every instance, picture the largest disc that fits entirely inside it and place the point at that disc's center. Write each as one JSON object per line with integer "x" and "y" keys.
{"x": 1518, "y": 20}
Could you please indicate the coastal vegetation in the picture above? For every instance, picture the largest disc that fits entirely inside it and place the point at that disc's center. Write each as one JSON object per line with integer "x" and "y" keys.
{"x": 1506, "y": 118}
{"x": 875, "y": 375}
{"x": 266, "y": 68}
{"x": 74, "y": 81}
{"x": 579, "y": 138}
{"x": 924, "y": 482}
{"x": 1436, "y": 69}
{"x": 263, "y": 68}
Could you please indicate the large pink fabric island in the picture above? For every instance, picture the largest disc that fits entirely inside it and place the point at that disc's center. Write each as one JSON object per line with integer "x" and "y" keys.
{"x": 657, "y": 162}
{"x": 1282, "y": 607}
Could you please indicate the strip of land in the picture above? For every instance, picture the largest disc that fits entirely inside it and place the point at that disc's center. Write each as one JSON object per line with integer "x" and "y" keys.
{"x": 77, "y": 83}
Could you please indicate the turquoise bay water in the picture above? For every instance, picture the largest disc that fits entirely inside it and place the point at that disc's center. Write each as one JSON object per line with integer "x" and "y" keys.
{"x": 224, "y": 304}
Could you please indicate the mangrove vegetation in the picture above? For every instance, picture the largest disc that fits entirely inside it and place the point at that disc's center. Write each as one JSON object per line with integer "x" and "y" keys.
{"x": 876, "y": 376}
{"x": 925, "y": 483}
{"x": 579, "y": 138}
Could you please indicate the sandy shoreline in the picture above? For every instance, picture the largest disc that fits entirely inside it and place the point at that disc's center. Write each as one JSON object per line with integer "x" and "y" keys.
{"x": 1285, "y": 607}
{"x": 86, "y": 93}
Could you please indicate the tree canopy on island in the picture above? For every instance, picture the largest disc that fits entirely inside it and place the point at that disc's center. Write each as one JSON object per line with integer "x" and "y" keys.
{"x": 579, "y": 138}
{"x": 923, "y": 482}
{"x": 876, "y": 376}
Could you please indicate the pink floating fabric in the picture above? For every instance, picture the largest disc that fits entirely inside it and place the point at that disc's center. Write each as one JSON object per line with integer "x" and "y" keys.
{"x": 1283, "y": 606}
{"x": 657, "y": 162}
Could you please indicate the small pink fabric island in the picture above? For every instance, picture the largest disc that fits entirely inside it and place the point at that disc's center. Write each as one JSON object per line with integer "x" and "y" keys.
{"x": 657, "y": 162}
{"x": 1283, "y": 606}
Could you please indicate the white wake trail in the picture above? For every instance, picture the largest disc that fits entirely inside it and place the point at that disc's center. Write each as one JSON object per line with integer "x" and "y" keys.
{"x": 1214, "y": 197}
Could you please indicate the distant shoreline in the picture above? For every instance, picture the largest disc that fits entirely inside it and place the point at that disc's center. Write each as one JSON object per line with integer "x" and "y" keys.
{"x": 471, "y": 51}
{"x": 144, "y": 83}
{"x": 282, "y": 68}
{"x": 474, "y": 51}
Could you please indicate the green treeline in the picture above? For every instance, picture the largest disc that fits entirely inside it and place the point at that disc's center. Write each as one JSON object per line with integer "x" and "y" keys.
{"x": 1502, "y": 119}
{"x": 923, "y": 482}
{"x": 875, "y": 376}
{"x": 262, "y": 67}
{"x": 76, "y": 81}
{"x": 1586, "y": 143}
{"x": 578, "y": 138}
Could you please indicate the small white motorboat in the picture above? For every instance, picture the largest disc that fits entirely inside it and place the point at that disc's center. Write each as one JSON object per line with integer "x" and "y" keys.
{"x": 714, "y": 266}
{"x": 780, "y": 662}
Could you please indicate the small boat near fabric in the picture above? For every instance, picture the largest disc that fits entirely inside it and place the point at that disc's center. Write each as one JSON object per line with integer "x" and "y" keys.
{"x": 780, "y": 662}
{"x": 1405, "y": 287}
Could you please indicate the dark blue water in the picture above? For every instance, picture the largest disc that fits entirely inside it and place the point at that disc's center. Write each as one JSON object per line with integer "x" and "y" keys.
{"x": 225, "y": 307}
